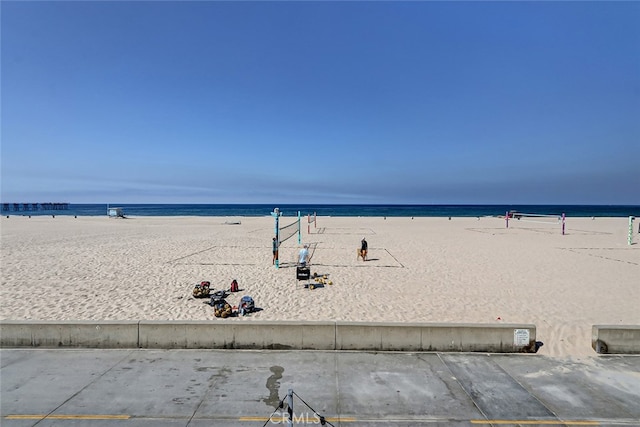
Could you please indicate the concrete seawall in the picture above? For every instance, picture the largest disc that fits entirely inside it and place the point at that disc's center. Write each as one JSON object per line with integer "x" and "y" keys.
{"x": 114, "y": 334}
{"x": 616, "y": 339}
{"x": 294, "y": 335}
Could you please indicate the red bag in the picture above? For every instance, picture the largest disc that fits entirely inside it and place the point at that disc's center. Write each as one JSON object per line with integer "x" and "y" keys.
{"x": 234, "y": 286}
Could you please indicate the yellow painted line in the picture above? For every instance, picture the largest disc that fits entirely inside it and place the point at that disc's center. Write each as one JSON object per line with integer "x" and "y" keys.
{"x": 67, "y": 417}
{"x": 330, "y": 419}
{"x": 539, "y": 422}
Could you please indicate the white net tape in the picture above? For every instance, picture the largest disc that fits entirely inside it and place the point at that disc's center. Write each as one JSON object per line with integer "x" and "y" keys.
{"x": 536, "y": 218}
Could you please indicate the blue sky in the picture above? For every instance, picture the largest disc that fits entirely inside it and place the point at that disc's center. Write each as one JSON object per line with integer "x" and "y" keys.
{"x": 321, "y": 102}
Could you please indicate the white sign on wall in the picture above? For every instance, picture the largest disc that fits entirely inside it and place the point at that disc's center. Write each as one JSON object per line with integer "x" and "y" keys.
{"x": 520, "y": 337}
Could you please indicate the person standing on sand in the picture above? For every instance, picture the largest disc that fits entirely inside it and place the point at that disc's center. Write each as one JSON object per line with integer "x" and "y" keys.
{"x": 275, "y": 250}
{"x": 303, "y": 257}
{"x": 364, "y": 248}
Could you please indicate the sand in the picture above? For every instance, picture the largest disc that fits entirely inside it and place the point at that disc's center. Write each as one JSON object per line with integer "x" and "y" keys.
{"x": 455, "y": 270}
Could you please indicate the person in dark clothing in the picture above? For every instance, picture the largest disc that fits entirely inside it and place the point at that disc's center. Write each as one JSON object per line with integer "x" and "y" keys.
{"x": 275, "y": 250}
{"x": 364, "y": 248}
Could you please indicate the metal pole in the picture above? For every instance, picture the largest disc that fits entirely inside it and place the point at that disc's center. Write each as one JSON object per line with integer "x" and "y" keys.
{"x": 630, "y": 238}
{"x": 290, "y": 407}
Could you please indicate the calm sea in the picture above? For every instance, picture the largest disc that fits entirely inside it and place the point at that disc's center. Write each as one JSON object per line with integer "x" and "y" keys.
{"x": 328, "y": 210}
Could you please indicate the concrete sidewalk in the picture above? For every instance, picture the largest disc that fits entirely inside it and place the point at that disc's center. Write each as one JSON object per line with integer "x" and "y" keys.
{"x": 144, "y": 388}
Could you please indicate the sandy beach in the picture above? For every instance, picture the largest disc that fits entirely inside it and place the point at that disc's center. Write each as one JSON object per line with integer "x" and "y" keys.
{"x": 454, "y": 270}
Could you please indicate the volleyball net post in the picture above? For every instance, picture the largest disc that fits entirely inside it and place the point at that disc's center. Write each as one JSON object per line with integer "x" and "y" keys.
{"x": 630, "y": 237}
{"x": 284, "y": 233}
{"x": 311, "y": 220}
{"x": 276, "y": 215}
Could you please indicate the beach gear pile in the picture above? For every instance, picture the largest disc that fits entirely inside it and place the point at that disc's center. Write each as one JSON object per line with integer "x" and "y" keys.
{"x": 218, "y": 300}
{"x": 247, "y": 305}
{"x": 322, "y": 280}
{"x": 221, "y": 308}
{"x": 202, "y": 290}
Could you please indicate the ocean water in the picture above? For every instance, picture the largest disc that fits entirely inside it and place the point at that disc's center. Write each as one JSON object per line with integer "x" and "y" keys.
{"x": 328, "y": 210}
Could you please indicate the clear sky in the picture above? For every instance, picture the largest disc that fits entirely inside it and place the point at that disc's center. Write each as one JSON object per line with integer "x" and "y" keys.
{"x": 321, "y": 102}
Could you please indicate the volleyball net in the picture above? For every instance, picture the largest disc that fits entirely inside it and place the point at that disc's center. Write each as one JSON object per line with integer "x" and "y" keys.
{"x": 553, "y": 220}
{"x": 288, "y": 231}
{"x": 311, "y": 219}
